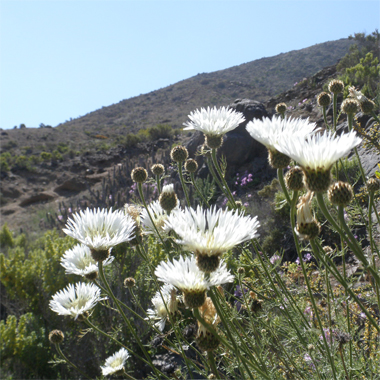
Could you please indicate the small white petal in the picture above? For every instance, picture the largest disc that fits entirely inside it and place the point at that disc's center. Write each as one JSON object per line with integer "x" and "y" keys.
{"x": 214, "y": 121}
{"x": 78, "y": 260}
{"x": 100, "y": 229}
{"x": 74, "y": 301}
{"x": 211, "y": 231}
{"x": 115, "y": 362}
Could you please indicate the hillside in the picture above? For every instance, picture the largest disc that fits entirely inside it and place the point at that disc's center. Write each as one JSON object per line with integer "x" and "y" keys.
{"x": 84, "y": 150}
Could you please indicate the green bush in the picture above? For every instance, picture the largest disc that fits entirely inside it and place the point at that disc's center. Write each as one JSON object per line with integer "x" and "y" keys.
{"x": 45, "y": 156}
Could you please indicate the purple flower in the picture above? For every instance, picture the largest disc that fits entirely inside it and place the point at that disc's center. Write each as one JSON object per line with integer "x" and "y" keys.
{"x": 238, "y": 294}
{"x": 60, "y": 217}
{"x": 275, "y": 259}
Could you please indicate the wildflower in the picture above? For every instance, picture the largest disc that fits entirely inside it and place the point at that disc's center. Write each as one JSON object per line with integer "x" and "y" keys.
{"x": 366, "y": 105}
{"x": 275, "y": 259}
{"x": 115, "y": 363}
{"x": 270, "y": 131}
{"x": 78, "y": 260}
{"x": 350, "y": 106}
{"x": 214, "y": 123}
{"x": 307, "y": 227}
{"x": 209, "y": 233}
{"x": 316, "y": 154}
{"x": 75, "y": 301}
{"x": 186, "y": 276}
{"x": 164, "y": 301}
{"x": 100, "y": 230}
{"x": 130, "y": 282}
{"x": 159, "y": 216}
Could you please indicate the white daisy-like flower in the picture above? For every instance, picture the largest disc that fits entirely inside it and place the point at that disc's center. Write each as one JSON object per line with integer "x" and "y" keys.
{"x": 75, "y": 301}
{"x": 214, "y": 121}
{"x": 159, "y": 216}
{"x": 166, "y": 296}
{"x": 356, "y": 94}
{"x": 115, "y": 363}
{"x": 100, "y": 229}
{"x": 318, "y": 151}
{"x": 185, "y": 275}
{"x": 211, "y": 232}
{"x": 269, "y": 131}
{"x": 78, "y": 260}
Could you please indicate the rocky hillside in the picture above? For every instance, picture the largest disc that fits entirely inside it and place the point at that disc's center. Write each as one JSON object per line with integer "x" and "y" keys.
{"x": 94, "y": 171}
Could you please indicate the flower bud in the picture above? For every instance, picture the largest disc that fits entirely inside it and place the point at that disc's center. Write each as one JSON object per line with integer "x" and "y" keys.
{"x": 373, "y": 185}
{"x": 139, "y": 175}
{"x": 367, "y": 106}
{"x": 191, "y": 165}
{"x": 56, "y": 336}
{"x": 294, "y": 179}
{"x": 340, "y": 193}
{"x": 157, "y": 169}
{"x": 281, "y": 108}
{"x": 179, "y": 153}
{"x": 350, "y": 106}
{"x": 129, "y": 282}
{"x": 324, "y": 99}
{"x": 336, "y": 86}
{"x": 168, "y": 198}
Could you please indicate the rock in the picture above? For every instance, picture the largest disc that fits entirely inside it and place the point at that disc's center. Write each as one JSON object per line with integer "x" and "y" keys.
{"x": 72, "y": 185}
{"x": 41, "y": 197}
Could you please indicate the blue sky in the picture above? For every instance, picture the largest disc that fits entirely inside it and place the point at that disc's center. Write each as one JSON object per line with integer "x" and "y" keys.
{"x": 60, "y": 59}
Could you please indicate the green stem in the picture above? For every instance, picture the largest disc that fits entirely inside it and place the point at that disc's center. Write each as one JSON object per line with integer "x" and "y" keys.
{"x": 126, "y": 320}
{"x": 375, "y": 117}
{"x": 68, "y": 361}
{"x": 197, "y": 190}
{"x": 347, "y": 235}
{"x": 328, "y": 263}
{"x": 211, "y": 361}
{"x": 325, "y": 117}
{"x": 335, "y": 109}
{"x": 225, "y": 187}
{"x": 158, "y": 181}
{"x": 215, "y": 176}
{"x": 183, "y": 183}
{"x": 280, "y": 176}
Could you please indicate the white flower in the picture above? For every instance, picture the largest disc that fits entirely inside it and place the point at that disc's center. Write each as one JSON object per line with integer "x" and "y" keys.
{"x": 211, "y": 232}
{"x": 185, "y": 275}
{"x": 100, "y": 229}
{"x": 115, "y": 363}
{"x": 319, "y": 151}
{"x": 159, "y": 216}
{"x": 304, "y": 215}
{"x": 214, "y": 121}
{"x": 270, "y": 131}
{"x": 78, "y": 260}
{"x": 358, "y": 95}
{"x": 166, "y": 296}
{"x": 75, "y": 301}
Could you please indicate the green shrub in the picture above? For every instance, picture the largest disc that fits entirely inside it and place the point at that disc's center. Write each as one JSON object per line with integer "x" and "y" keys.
{"x": 45, "y": 156}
